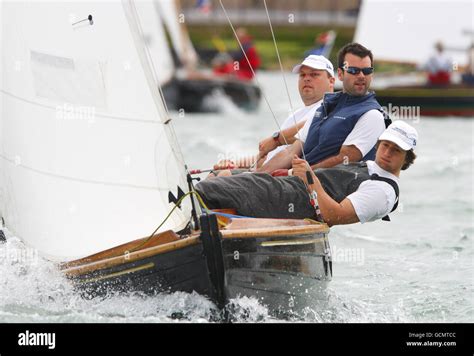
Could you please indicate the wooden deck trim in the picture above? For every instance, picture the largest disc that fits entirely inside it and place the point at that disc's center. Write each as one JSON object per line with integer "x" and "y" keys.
{"x": 246, "y": 223}
{"x": 275, "y": 231}
{"x": 135, "y": 245}
{"x": 131, "y": 257}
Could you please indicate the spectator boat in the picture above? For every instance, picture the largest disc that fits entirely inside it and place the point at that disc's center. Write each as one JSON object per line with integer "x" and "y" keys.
{"x": 184, "y": 86}
{"x": 455, "y": 100}
{"x": 411, "y": 42}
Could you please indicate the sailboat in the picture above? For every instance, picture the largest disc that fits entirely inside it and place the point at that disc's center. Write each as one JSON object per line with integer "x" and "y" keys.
{"x": 89, "y": 163}
{"x": 410, "y": 31}
{"x": 189, "y": 88}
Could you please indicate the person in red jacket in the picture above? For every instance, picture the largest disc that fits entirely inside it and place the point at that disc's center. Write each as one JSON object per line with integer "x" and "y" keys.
{"x": 236, "y": 64}
{"x": 242, "y": 68}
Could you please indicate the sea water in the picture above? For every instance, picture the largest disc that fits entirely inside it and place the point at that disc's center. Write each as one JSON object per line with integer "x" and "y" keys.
{"x": 417, "y": 268}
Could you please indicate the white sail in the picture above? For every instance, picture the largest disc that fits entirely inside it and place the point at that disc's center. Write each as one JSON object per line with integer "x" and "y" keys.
{"x": 175, "y": 25}
{"x": 86, "y": 154}
{"x": 155, "y": 39}
{"x": 406, "y": 30}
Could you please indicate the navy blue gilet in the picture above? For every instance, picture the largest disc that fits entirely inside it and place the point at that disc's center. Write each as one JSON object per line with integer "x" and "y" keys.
{"x": 333, "y": 122}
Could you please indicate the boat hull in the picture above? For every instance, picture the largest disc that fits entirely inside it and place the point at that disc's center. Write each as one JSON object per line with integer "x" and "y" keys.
{"x": 196, "y": 95}
{"x": 428, "y": 101}
{"x": 285, "y": 264}
{"x": 183, "y": 269}
{"x": 285, "y": 274}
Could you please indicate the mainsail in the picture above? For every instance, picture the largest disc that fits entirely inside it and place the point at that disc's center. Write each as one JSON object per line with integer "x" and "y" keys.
{"x": 87, "y": 157}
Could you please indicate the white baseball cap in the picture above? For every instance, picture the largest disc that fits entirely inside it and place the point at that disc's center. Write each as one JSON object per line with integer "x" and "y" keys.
{"x": 402, "y": 134}
{"x": 316, "y": 62}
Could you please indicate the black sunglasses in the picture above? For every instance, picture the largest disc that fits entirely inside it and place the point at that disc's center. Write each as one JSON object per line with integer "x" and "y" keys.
{"x": 357, "y": 70}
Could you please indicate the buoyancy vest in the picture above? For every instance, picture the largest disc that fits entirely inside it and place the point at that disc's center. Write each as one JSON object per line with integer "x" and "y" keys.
{"x": 334, "y": 121}
{"x": 344, "y": 179}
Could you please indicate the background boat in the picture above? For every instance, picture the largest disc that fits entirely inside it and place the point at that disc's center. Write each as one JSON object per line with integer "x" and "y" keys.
{"x": 457, "y": 100}
{"x": 185, "y": 86}
{"x": 409, "y": 35}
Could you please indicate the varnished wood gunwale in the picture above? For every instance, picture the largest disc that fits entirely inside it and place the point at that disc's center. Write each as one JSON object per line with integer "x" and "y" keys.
{"x": 169, "y": 241}
{"x": 130, "y": 257}
{"x": 135, "y": 245}
{"x": 248, "y": 228}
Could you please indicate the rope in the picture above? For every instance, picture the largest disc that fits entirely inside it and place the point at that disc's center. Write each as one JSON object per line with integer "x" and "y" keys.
{"x": 201, "y": 201}
{"x": 283, "y": 75}
{"x": 253, "y": 72}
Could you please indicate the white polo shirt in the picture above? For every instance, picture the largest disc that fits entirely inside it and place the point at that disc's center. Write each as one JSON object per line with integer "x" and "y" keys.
{"x": 374, "y": 199}
{"x": 364, "y": 135}
{"x": 305, "y": 113}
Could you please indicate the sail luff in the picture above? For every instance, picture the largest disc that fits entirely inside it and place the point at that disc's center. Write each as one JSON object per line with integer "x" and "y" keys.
{"x": 148, "y": 61}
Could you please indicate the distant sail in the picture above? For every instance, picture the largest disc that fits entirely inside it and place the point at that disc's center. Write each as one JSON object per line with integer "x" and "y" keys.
{"x": 154, "y": 35}
{"x": 87, "y": 157}
{"x": 175, "y": 25}
{"x": 406, "y": 31}
{"x": 325, "y": 43}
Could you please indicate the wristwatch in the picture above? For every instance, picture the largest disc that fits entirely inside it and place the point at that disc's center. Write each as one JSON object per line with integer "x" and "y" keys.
{"x": 276, "y": 136}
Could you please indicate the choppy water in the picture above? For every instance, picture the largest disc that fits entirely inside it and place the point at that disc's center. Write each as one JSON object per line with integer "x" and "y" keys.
{"x": 418, "y": 268}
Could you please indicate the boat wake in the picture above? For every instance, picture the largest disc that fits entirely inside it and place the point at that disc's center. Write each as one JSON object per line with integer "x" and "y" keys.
{"x": 219, "y": 102}
{"x": 33, "y": 291}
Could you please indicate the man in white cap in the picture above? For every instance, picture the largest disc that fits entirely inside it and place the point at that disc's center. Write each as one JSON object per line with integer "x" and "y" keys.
{"x": 346, "y": 194}
{"x": 366, "y": 196}
{"x": 316, "y": 77}
{"x": 346, "y": 126}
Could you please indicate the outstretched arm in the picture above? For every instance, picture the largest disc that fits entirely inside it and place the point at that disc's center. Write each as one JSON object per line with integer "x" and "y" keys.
{"x": 333, "y": 213}
{"x": 282, "y": 160}
{"x": 287, "y": 137}
{"x": 346, "y": 154}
